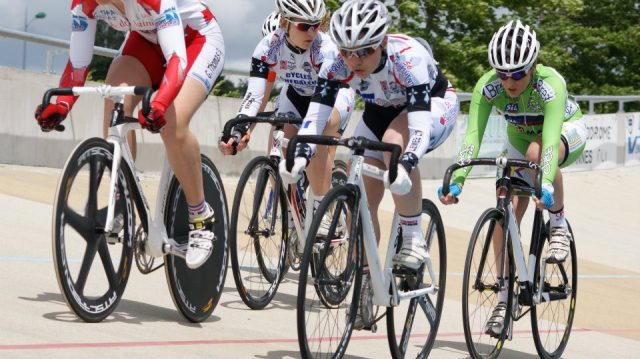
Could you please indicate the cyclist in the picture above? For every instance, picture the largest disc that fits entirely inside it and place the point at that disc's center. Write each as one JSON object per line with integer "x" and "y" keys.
{"x": 544, "y": 125}
{"x": 271, "y": 23}
{"x": 408, "y": 101}
{"x": 295, "y": 52}
{"x": 174, "y": 44}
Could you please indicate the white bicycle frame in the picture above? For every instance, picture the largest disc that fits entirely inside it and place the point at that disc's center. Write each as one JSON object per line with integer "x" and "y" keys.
{"x": 158, "y": 243}
{"x": 278, "y": 142}
{"x": 381, "y": 277}
{"x": 525, "y": 269}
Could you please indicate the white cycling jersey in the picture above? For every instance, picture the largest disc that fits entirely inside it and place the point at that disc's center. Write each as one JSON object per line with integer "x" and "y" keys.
{"x": 295, "y": 67}
{"x": 408, "y": 78}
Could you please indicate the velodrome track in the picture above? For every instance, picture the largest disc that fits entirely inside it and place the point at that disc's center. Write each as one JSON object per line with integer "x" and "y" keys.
{"x": 604, "y": 209}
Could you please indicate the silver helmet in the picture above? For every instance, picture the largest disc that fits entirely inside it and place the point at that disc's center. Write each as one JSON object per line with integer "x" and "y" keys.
{"x": 305, "y": 10}
{"x": 359, "y": 24}
{"x": 271, "y": 23}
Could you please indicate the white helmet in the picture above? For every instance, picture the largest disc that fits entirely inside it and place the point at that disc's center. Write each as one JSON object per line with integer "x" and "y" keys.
{"x": 359, "y": 24}
{"x": 306, "y": 10}
{"x": 513, "y": 47}
{"x": 271, "y": 23}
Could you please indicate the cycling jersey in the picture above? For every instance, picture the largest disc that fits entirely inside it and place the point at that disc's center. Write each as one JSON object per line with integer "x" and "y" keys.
{"x": 541, "y": 109}
{"x": 161, "y": 22}
{"x": 407, "y": 79}
{"x": 295, "y": 67}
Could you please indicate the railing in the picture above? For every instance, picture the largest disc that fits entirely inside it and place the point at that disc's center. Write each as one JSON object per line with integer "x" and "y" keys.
{"x": 103, "y": 51}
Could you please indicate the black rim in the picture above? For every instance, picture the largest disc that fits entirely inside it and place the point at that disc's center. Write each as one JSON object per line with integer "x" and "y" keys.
{"x": 321, "y": 311}
{"x": 548, "y": 318}
{"x": 425, "y": 310}
{"x": 479, "y": 289}
{"x": 258, "y": 234}
{"x": 91, "y": 273}
{"x": 196, "y": 292}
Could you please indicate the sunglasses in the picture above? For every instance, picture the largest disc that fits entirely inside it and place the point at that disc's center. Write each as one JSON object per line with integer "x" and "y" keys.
{"x": 364, "y": 52}
{"x": 304, "y": 27}
{"x": 517, "y": 75}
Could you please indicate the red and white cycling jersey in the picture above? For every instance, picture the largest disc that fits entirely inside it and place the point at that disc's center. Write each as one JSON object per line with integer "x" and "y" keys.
{"x": 165, "y": 23}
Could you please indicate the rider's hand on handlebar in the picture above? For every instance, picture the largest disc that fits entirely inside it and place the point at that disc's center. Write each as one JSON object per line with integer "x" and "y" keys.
{"x": 154, "y": 121}
{"x": 402, "y": 183}
{"x": 50, "y": 117}
{"x": 299, "y": 163}
{"x": 239, "y": 139}
{"x": 546, "y": 200}
{"x": 452, "y": 197}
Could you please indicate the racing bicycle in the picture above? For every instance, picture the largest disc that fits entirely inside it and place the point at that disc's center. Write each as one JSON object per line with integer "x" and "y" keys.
{"x": 496, "y": 261}
{"x": 95, "y": 236}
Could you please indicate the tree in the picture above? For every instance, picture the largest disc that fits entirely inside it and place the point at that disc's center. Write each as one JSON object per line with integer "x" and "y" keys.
{"x": 592, "y": 43}
{"x": 109, "y": 38}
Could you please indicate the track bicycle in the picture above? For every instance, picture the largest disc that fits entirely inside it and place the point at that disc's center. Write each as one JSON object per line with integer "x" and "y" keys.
{"x": 262, "y": 244}
{"x": 329, "y": 287}
{"x": 496, "y": 261}
{"x": 95, "y": 237}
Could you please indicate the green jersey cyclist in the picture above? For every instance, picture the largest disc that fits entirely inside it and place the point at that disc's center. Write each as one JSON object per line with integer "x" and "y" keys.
{"x": 544, "y": 125}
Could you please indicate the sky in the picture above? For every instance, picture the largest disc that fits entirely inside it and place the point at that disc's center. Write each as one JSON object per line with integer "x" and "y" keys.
{"x": 240, "y": 20}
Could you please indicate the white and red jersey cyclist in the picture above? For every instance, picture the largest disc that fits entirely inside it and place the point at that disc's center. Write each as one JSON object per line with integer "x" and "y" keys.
{"x": 408, "y": 78}
{"x": 171, "y": 38}
{"x": 297, "y": 69}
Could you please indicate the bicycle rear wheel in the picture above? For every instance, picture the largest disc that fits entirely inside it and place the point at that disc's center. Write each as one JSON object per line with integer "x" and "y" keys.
{"x": 483, "y": 278}
{"x": 330, "y": 279}
{"x": 92, "y": 267}
{"x": 258, "y": 233}
{"x": 196, "y": 292}
{"x": 552, "y": 318}
{"x": 412, "y": 332}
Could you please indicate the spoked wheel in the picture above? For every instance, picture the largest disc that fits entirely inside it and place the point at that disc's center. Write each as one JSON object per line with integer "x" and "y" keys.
{"x": 552, "y": 318}
{"x": 484, "y": 277}
{"x": 330, "y": 279}
{"x": 412, "y": 326}
{"x": 92, "y": 266}
{"x": 196, "y": 292}
{"x": 258, "y": 233}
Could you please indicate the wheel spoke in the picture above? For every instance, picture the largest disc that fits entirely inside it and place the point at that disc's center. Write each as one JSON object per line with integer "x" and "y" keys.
{"x": 87, "y": 262}
{"x": 96, "y": 170}
{"x": 105, "y": 256}
{"x": 80, "y": 224}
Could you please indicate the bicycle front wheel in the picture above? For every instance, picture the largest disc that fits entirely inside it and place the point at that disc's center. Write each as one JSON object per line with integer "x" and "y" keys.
{"x": 258, "y": 233}
{"x": 412, "y": 326}
{"x": 552, "y": 318}
{"x": 330, "y": 278}
{"x": 486, "y": 273}
{"x": 196, "y": 292}
{"x": 92, "y": 267}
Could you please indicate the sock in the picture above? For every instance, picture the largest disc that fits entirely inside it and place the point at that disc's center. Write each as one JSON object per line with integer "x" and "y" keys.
{"x": 557, "y": 219}
{"x": 411, "y": 226}
{"x": 199, "y": 211}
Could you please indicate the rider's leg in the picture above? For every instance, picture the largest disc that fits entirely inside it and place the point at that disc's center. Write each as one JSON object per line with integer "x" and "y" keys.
{"x": 409, "y": 206}
{"x": 319, "y": 168}
{"x": 183, "y": 149}
{"x": 559, "y": 237}
{"x": 125, "y": 70}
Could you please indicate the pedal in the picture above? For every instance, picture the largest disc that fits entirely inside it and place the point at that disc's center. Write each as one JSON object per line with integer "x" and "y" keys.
{"x": 113, "y": 238}
{"x": 400, "y": 271}
{"x": 373, "y": 328}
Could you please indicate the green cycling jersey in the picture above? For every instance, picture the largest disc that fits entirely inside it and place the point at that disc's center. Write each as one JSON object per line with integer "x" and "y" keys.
{"x": 541, "y": 109}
